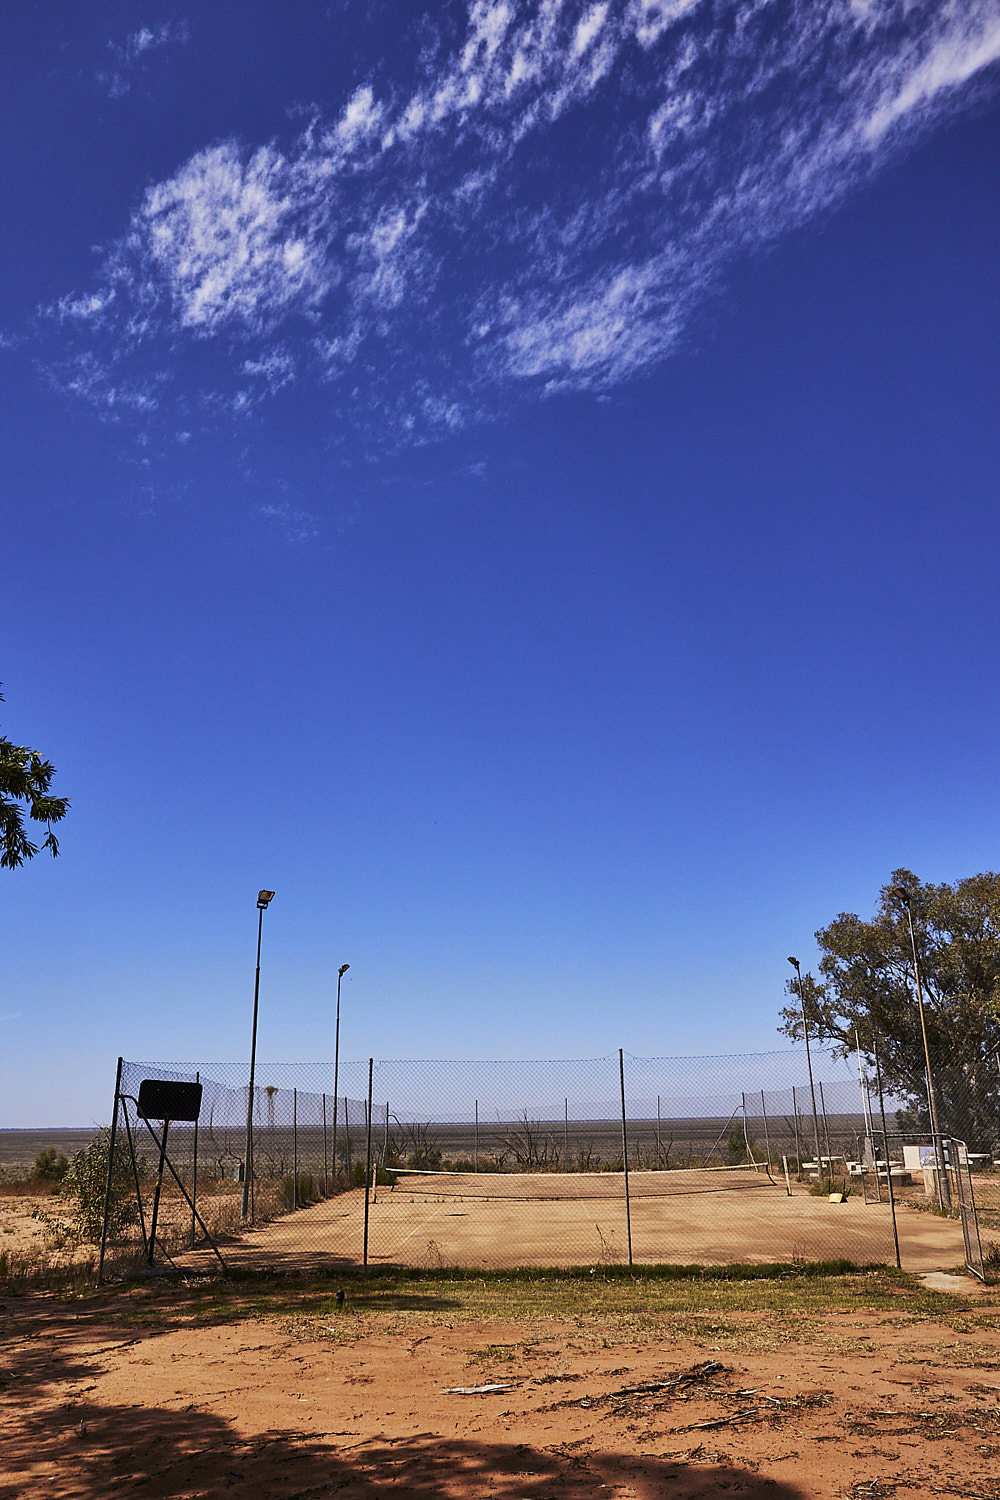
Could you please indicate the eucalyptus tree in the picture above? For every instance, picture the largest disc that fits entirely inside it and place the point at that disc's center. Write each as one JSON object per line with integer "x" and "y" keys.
{"x": 865, "y": 995}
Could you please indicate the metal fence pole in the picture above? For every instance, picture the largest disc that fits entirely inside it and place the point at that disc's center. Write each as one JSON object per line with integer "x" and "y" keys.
{"x": 385, "y": 1138}
{"x": 888, "y": 1164}
{"x": 347, "y": 1141}
{"x": 795, "y": 1124}
{"x": 111, "y": 1163}
{"x": 477, "y": 1135}
{"x": 767, "y": 1140}
{"x": 566, "y": 1131}
{"x": 658, "y": 1155}
{"x": 326, "y": 1180}
{"x": 628, "y": 1207}
{"x": 826, "y": 1132}
{"x": 368, "y": 1161}
{"x": 194, "y": 1171}
{"x": 295, "y": 1148}
{"x": 333, "y": 1152}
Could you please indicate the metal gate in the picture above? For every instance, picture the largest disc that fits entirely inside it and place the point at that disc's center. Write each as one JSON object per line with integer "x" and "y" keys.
{"x": 958, "y": 1151}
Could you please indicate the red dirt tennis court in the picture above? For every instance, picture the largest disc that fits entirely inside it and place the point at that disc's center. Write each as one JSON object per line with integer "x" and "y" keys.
{"x": 542, "y": 1220}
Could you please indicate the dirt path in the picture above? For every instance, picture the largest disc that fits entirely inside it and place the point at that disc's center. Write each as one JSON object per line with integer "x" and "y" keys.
{"x": 840, "y": 1404}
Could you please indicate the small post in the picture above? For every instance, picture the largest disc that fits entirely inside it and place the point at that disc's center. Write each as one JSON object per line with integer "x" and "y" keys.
{"x": 477, "y": 1135}
{"x": 111, "y": 1163}
{"x": 295, "y": 1148}
{"x": 194, "y": 1171}
{"x": 888, "y": 1164}
{"x": 326, "y": 1180}
{"x": 368, "y": 1161}
{"x": 788, "y": 1185}
{"x": 628, "y": 1208}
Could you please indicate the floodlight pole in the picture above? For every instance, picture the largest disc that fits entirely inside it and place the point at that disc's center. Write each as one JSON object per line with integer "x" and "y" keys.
{"x": 944, "y": 1190}
{"x": 263, "y": 899}
{"x": 812, "y": 1091}
{"x": 336, "y": 1070}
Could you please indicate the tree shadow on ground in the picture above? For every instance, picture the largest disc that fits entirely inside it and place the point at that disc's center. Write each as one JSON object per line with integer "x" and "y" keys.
{"x": 95, "y": 1452}
{"x": 58, "y": 1443}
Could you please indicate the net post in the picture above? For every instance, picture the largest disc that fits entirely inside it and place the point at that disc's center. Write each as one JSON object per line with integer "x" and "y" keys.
{"x": 628, "y": 1207}
{"x": 111, "y": 1163}
{"x": 566, "y": 1129}
{"x": 295, "y": 1148}
{"x": 477, "y": 1135}
{"x": 368, "y": 1162}
{"x": 788, "y": 1185}
{"x": 888, "y": 1165}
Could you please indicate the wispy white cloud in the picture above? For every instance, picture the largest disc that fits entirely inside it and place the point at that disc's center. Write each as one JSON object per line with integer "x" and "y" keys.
{"x": 296, "y": 526}
{"x": 131, "y": 56}
{"x": 542, "y": 208}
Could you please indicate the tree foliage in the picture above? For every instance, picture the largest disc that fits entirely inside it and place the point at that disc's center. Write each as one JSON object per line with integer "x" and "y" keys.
{"x": 865, "y": 995}
{"x": 25, "y": 779}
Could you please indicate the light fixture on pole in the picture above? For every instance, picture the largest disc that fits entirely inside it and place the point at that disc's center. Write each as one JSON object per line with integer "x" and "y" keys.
{"x": 944, "y": 1192}
{"x": 336, "y": 1069}
{"x": 264, "y": 898}
{"x": 805, "y": 1032}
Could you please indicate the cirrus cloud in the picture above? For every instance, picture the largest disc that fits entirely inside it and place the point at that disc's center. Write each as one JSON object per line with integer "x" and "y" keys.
{"x": 542, "y": 209}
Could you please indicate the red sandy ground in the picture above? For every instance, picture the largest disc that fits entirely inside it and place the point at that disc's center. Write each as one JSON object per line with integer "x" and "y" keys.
{"x": 836, "y": 1404}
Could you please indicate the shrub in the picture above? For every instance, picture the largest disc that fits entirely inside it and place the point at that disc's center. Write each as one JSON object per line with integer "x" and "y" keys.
{"x": 50, "y": 1166}
{"x": 299, "y": 1191}
{"x": 85, "y": 1183}
{"x": 828, "y": 1185}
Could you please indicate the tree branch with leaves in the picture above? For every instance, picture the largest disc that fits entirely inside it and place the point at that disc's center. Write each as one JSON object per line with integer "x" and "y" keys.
{"x": 25, "y": 779}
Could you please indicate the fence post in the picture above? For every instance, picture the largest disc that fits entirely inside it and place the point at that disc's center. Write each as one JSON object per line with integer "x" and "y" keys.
{"x": 333, "y": 1144}
{"x": 295, "y": 1148}
{"x": 826, "y": 1132}
{"x": 368, "y": 1161}
{"x": 658, "y": 1155}
{"x": 477, "y": 1135}
{"x": 326, "y": 1179}
{"x": 111, "y": 1163}
{"x": 566, "y": 1132}
{"x": 767, "y": 1140}
{"x": 347, "y": 1141}
{"x": 795, "y": 1122}
{"x": 628, "y": 1208}
{"x": 888, "y": 1164}
{"x": 385, "y": 1138}
{"x": 194, "y": 1170}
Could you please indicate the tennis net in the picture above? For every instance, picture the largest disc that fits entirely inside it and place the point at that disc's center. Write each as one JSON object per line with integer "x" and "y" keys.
{"x": 536, "y": 1187}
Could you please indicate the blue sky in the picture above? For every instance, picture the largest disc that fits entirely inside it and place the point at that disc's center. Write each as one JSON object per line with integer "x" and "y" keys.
{"x": 520, "y": 481}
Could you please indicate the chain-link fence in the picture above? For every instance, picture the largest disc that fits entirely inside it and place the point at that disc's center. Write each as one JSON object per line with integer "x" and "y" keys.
{"x": 620, "y": 1160}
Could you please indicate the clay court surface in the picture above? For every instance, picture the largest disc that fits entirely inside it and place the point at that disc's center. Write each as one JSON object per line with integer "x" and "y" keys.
{"x": 438, "y": 1225}
{"x": 624, "y": 1391}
